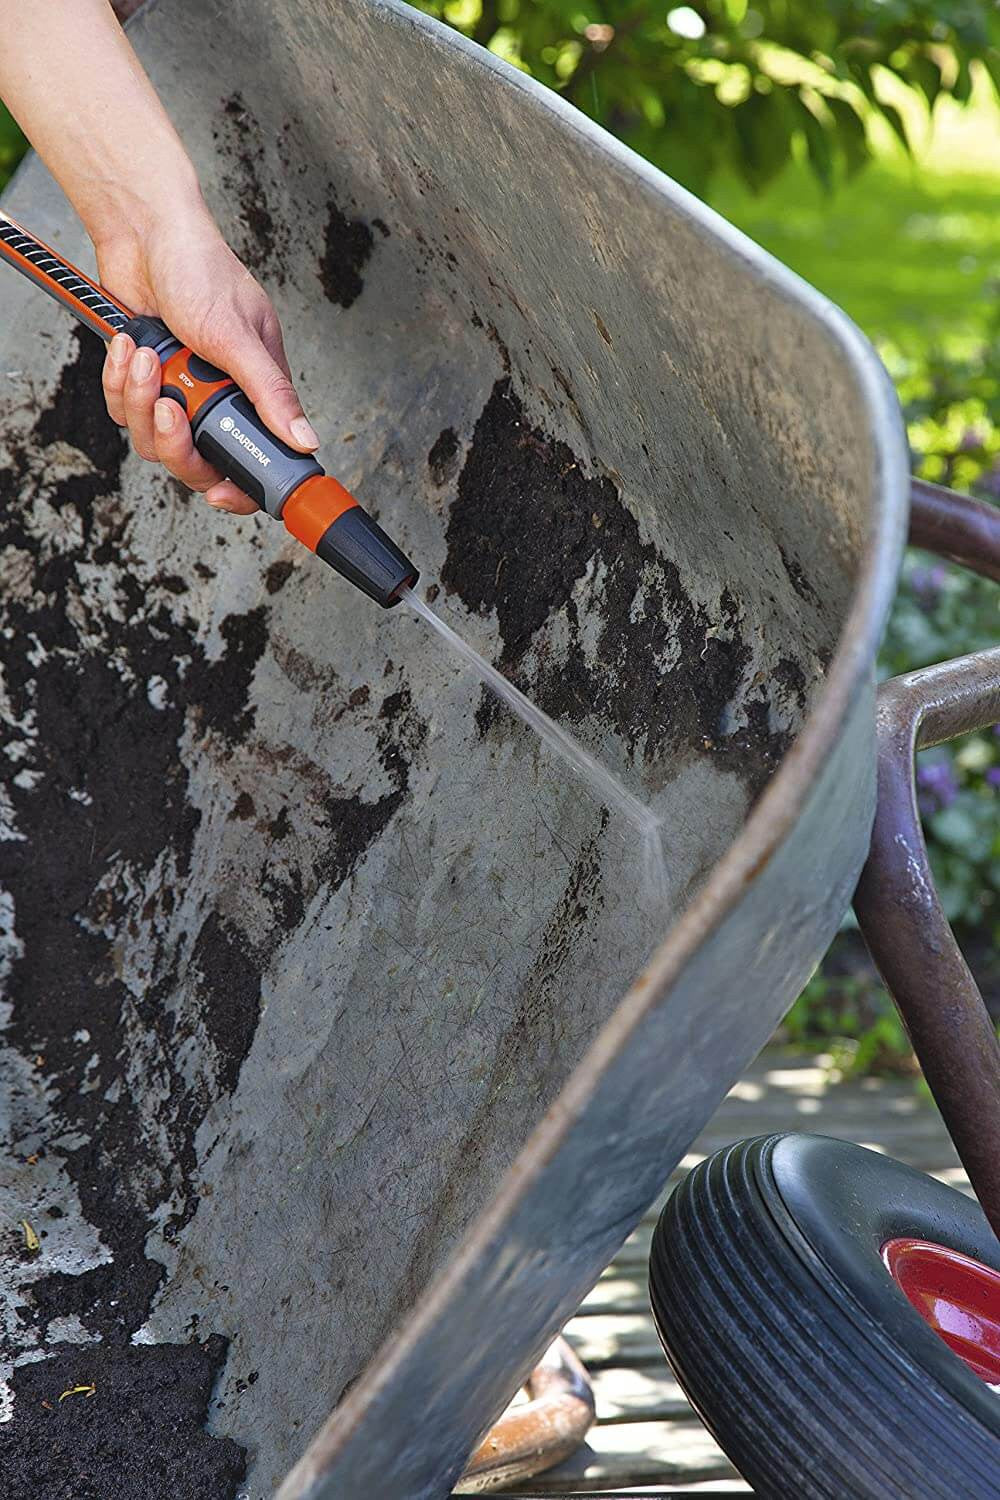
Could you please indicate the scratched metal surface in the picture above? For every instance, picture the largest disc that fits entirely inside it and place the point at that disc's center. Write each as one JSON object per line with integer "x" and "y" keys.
{"x": 404, "y": 1054}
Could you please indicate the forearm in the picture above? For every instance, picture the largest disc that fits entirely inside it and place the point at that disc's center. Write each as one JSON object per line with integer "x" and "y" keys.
{"x": 72, "y": 81}
{"x": 98, "y": 126}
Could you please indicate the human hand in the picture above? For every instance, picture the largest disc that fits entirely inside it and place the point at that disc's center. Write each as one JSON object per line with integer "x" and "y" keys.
{"x": 121, "y": 163}
{"x": 179, "y": 268}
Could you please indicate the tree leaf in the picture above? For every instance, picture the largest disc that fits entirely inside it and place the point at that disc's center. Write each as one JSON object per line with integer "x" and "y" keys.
{"x": 852, "y": 137}
{"x": 763, "y": 137}
{"x": 991, "y": 62}
{"x": 926, "y": 75}
{"x": 818, "y": 144}
{"x": 962, "y": 87}
{"x": 890, "y": 113}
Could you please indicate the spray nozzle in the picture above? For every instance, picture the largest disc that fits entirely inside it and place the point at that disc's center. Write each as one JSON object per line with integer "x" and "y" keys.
{"x": 331, "y": 523}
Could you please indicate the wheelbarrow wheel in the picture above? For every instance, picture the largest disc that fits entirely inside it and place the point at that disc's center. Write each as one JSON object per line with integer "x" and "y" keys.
{"x": 786, "y": 1276}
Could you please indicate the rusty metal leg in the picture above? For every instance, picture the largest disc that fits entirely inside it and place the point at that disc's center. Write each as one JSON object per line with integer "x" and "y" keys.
{"x": 540, "y": 1432}
{"x": 905, "y": 927}
{"x": 954, "y": 526}
{"x": 901, "y": 917}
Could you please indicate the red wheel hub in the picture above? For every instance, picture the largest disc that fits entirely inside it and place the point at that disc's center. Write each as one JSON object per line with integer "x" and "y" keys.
{"x": 958, "y": 1296}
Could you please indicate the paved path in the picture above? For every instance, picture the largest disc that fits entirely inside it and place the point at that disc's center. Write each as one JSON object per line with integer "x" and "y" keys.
{"x": 646, "y": 1433}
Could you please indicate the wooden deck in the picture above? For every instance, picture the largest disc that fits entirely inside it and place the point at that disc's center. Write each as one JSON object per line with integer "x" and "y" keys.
{"x": 647, "y": 1438}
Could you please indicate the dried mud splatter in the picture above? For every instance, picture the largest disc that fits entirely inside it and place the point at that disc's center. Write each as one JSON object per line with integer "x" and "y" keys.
{"x": 526, "y": 527}
{"x": 347, "y": 247}
{"x": 263, "y": 241}
{"x": 100, "y": 693}
{"x": 443, "y": 458}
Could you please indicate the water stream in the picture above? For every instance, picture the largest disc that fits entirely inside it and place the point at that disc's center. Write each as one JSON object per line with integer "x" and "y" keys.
{"x": 602, "y": 784}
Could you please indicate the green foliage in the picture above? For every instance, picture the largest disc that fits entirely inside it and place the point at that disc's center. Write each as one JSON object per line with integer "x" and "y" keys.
{"x": 913, "y": 255}
{"x": 854, "y": 1021}
{"x": 915, "y": 258}
{"x": 942, "y": 611}
{"x": 728, "y": 83}
{"x": 12, "y": 145}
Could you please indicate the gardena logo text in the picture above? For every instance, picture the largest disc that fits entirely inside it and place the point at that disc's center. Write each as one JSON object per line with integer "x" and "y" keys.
{"x": 228, "y": 425}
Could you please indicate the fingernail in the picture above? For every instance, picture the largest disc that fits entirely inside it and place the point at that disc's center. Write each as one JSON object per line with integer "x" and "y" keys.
{"x": 144, "y": 364}
{"x": 303, "y": 432}
{"x": 119, "y": 349}
{"x": 163, "y": 415}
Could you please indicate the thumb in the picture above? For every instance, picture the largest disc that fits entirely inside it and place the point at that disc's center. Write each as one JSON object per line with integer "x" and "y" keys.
{"x": 269, "y": 387}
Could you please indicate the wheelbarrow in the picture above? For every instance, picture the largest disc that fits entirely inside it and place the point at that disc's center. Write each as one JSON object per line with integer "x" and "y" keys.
{"x": 344, "y": 1048}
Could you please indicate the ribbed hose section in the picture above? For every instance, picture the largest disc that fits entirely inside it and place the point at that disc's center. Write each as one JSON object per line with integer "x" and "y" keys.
{"x": 807, "y": 1396}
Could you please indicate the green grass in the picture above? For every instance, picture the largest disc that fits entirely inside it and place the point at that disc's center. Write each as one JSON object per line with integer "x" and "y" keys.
{"x": 910, "y": 247}
{"x": 913, "y": 256}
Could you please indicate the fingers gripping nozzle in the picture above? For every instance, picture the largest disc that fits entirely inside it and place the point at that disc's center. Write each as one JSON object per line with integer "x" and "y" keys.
{"x": 291, "y": 486}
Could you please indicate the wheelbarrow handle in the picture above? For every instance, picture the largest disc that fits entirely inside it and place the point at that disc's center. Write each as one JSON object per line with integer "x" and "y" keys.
{"x": 542, "y": 1431}
{"x": 901, "y": 917}
{"x": 956, "y": 527}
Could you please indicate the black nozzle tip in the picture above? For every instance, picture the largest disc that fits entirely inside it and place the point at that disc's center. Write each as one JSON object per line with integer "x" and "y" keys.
{"x": 360, "y": 550}
{"x": 396, "y": 597}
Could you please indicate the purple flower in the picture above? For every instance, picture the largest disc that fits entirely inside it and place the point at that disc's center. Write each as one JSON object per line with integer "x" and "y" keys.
{"x": 936, "y": 781}
{"x": 993, "y": 775}
{"x": 990, "y": 482}
{"x": 927, "y": 583}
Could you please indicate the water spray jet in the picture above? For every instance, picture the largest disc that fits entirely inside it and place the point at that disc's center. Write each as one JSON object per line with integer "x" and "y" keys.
{"x": 315, "y": 508}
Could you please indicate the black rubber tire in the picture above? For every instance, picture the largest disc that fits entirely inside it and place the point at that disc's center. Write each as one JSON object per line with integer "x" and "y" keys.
{"x": 803, "y": 1358}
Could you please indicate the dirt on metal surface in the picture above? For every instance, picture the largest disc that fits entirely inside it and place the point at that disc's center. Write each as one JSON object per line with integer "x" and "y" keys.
{"x": 347, "y": 247}
{"x": 526, "y": 528}
{"x": 100, "y": 805}
{"x": 96, "y": 710}
{"x": 103, "y": 807}
{"x": 94, "y": 1421}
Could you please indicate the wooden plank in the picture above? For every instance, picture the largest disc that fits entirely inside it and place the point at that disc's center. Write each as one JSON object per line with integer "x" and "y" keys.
{"x": 635, "y": 1251}
{"x": 615, "y": 1339}
{"x": 621, "y": 1289}
{"x": 637, "y": 1453}
{"x": 633, "y": 1394}
{"x": 723, "y": 1489}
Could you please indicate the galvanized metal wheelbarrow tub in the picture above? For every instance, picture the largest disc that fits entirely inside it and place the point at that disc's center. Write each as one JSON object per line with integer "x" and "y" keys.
{"x": 339, "y": 1027}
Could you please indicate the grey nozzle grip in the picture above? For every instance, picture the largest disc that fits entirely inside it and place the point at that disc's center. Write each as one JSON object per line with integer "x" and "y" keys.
{"x": 231, "y": 435}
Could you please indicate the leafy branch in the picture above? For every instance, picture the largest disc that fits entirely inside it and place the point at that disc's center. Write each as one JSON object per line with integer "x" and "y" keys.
{"x": 729, "y": 83}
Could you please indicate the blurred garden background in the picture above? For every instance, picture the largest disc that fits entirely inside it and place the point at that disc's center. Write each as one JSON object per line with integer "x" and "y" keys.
{"x": 859, "y": 141}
